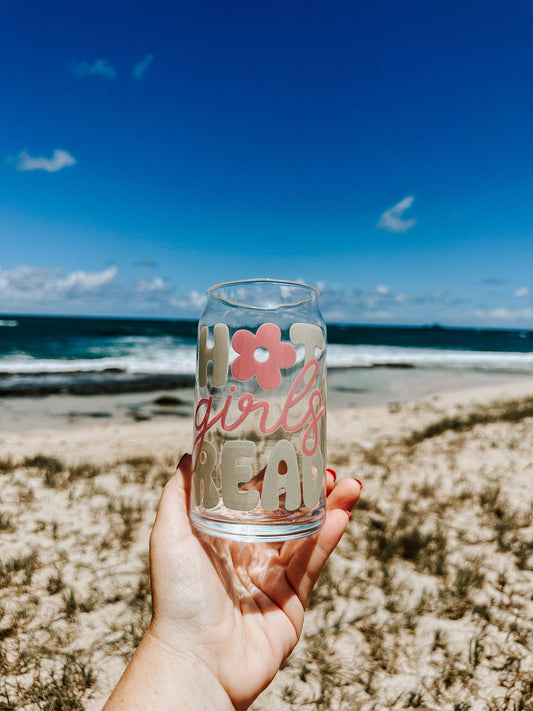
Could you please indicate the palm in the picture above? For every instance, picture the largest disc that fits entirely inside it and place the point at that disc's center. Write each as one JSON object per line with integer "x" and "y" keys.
{"x": 241, "y": 606}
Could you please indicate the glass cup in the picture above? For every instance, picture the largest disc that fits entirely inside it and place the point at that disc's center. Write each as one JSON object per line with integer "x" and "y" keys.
{"x": 259, "y": 451}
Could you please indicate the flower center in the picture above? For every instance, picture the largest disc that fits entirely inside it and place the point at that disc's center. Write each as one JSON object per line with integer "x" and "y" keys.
{"x": 261, "y": 355}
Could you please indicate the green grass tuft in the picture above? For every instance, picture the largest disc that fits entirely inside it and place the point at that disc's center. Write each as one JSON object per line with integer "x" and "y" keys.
{"x": 509, "y": 411}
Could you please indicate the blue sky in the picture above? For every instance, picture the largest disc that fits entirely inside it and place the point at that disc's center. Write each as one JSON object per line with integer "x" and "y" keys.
{"x": 382, "y": 151}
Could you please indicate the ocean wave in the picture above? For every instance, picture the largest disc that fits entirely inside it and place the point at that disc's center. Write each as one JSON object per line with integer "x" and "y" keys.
{"x": 346, "y": 356}
{"x": 182, "y": 360}
{"x": 179, "y": 361}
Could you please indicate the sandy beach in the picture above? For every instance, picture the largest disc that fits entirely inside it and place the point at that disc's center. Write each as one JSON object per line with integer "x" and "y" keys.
{"x": 427, "y": 603}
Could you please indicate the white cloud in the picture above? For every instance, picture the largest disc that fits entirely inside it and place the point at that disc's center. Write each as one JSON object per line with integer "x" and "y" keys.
{"x": 140, "y": 69}
{"x": 382, "y": 304}
{"x": 376, "y": 297}
{"x": 26, "y": 283}
{"x": 193, "y": 300}
{"x": 82, "y": 282}
{"x": 402, "y": 298}
{"x": 151, "y": 286}
{"x": 522, "y": 291}
{"x": 60, "y": 159}
{"x": 392, "y": 220}
{"x": 379, "y": 315}
{"x": 33, "y": 289}
{"x": 340, "y": 305}
{"x": 503, "y": 313}
{"x": 439, "y": 295}
{"x": 100, "y": 67}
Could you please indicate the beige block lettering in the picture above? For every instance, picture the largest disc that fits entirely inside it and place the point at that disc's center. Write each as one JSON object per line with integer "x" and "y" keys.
{"x": 206, "y": 463}
{"x": 309, "y": 335}
{"x": 218, "y": 354}
{"x": 313, "y": 478}
{"x": 274, "y": 482}
{"x": 234, "y": 474}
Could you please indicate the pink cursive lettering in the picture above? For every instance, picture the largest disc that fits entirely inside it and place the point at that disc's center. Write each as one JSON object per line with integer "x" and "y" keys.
{"x": 247, "y": 404}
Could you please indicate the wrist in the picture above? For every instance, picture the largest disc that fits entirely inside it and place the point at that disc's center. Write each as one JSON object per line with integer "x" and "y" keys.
{"x": 161, "y": 677}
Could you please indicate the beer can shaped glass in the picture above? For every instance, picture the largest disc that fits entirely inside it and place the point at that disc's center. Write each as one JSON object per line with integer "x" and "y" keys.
{"x": 259, "y": 451}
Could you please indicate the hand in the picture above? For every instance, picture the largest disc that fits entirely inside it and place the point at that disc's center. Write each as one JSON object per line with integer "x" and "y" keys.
{"x": 231, "y": 612}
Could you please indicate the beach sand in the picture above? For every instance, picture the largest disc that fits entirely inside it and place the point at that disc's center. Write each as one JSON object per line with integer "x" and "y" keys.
{"x": 427, "y": 603}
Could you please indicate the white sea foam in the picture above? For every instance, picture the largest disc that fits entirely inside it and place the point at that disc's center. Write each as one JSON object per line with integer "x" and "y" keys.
{"x": 345, "y": 356}
{"x": 165, "y": 357}
{"x": 176, "y": 363}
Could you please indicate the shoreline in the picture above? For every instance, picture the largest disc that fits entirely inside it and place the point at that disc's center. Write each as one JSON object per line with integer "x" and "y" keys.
{"x": 358, "y": 389}
{"x": 100, "y": 437}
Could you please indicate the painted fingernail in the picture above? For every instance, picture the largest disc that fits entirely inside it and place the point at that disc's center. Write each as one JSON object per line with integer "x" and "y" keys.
{"x": 359, "y": 482}
{"x": 333, "y": 473}
{"x": 181, "y": 460}
{"x": 349, "y": 516}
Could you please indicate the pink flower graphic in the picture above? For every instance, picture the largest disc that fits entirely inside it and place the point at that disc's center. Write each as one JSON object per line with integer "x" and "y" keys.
{"x": 246, "y": 365}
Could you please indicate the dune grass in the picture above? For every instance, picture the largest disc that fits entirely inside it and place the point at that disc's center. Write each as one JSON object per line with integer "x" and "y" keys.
{"x": 83, "y": 553}
{"x": 507, "y": 411}
{"x": 427, "y": 603}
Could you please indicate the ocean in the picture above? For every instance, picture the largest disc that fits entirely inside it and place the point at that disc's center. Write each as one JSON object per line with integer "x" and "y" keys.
{"x": 42, "y": 355}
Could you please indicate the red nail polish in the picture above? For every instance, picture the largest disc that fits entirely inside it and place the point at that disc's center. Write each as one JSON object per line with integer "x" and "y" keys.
{"x": 359, "y": 482}
{"x": 349, "y": 516}
{"x": 333, "y": 473}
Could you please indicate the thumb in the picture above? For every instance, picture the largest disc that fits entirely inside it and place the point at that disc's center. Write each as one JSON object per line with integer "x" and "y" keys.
{"x": 172, "y": 516}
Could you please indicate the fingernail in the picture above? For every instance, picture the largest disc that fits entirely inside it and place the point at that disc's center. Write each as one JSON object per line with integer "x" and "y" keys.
{"x": 181, "y": 460}
{"x": 349, "y": 516}
{"x": 359, "y": 482}
{"x": 333, "y": 473}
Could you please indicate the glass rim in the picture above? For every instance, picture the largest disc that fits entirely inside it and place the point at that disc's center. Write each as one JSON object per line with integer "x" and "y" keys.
{"x": 314, "y": 292}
